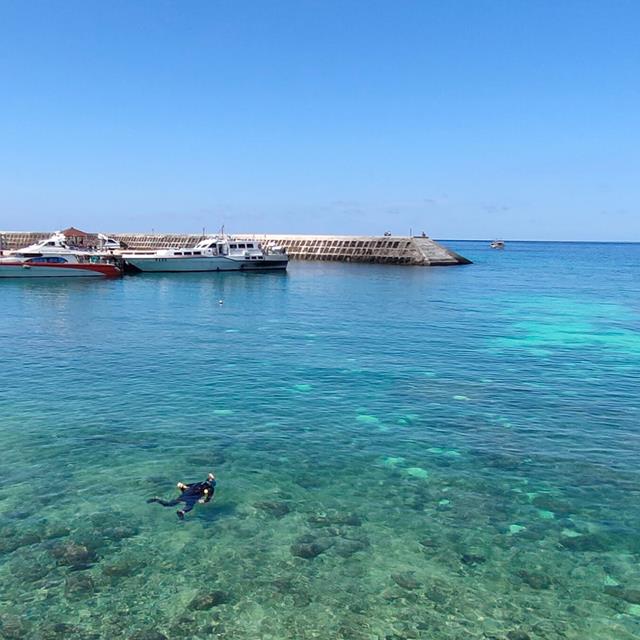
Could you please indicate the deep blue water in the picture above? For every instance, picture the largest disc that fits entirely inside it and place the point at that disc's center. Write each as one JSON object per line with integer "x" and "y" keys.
{"x": 401, "y": 452}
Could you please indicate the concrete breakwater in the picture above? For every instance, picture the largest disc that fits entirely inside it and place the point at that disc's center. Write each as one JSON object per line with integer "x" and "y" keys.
{"x": 407, "y": 250}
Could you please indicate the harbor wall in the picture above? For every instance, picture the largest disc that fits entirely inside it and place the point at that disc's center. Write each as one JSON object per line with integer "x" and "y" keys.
{"x": 407, "y": 250}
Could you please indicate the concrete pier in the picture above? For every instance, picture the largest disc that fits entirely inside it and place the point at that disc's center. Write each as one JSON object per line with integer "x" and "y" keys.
{"x": 407, "y": 250}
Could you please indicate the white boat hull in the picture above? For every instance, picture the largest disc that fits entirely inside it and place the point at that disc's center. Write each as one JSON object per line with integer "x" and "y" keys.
{"x": 205, "y": 263}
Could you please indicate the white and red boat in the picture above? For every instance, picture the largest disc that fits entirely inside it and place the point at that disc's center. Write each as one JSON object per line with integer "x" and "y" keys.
{"x": 53, "y": 257}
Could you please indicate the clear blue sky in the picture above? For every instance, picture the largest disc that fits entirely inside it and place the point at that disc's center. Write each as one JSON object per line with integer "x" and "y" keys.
{"x": 474, "y": 119}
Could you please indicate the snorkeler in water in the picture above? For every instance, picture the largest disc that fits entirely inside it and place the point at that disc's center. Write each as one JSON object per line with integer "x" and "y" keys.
{"x": 190, "y": 494}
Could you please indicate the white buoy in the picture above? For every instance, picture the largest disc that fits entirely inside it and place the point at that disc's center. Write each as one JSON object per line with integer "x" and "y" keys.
{"x": 220, "y": 301}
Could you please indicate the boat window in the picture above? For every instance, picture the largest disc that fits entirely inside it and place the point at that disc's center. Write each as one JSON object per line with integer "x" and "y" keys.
{"x": 249, "y": 246}
{"x": 241, "y": 246}
{"x": 178, "y": 253}
{"x": 47, "y": 259}
{"x": 187, "y": 253}
{"x": 232, "y": 246}
{"x": 197, "y": 253}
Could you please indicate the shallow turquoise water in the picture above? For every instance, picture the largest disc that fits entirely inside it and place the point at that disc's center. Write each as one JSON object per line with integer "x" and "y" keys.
{"x": 401, "y": 452}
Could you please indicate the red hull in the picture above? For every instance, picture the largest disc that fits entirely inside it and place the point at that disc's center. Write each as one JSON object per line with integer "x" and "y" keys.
{"x": 51, "y": 270}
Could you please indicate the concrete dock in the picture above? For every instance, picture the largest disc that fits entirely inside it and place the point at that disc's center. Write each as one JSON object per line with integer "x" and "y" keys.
{"x": 405, "y": 250}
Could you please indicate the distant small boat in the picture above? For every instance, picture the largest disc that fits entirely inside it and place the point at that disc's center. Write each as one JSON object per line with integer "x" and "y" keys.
{"x": 497, "y": 244}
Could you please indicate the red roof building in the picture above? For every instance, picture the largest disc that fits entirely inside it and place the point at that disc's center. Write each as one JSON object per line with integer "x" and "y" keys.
{"x": 80, "y": 238}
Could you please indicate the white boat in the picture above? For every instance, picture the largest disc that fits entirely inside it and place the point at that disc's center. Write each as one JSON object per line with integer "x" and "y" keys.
{"x": 497, "y": 244}
{"x": 53, "y": 257}
{"x": 215, "y": 253}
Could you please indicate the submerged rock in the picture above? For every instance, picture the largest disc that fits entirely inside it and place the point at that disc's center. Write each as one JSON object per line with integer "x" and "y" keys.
{"x": 406, "y": 580}
{"x": 204, "y": 601}
{"x": 346, "y": 519}
{"x": 276, "y": 508}
{"x": 503, "y": 461}
{"x": 301, "y": 598}
{"x": 122, "y": 567}
{"x": 628, "y": 595}
{"x": 547, "y": 502}
{"x": 471, "y": 559}
{"x": 23, "y": 514}
{"x": 8, "y": 545}
{"x": 417, "y": 472}
{"x": 148, "y": 634}
{"x": 28, "y": 537}
{"x": 284, "y": 585}
{"x": 309, "y": 550}
{"x": 428, "y": 543}
{"x": 586, "y": 542}
{"x": 60, "y": 631}
{"x": 535, "y": 579}
{"x": 121, "y": 533}
{"x": 13, "y": 627}
{"x": 14, "y": 538}
{"x": 92, "y": 539}
{"x": 78, "y": 585}
{"x": 308, "y": 481}
{"x": 346, "y": 548}
{"x": 437, "y": 595}
{"x": 54, "y": 531}
{"x": 29, "y": 571}
{"x": 73, "y": 555}
{"x": 104, "y": 519}
{"x": 518, "y": 635}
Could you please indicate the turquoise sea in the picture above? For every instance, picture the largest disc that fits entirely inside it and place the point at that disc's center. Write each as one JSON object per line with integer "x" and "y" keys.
{"x": 401, "y": 452}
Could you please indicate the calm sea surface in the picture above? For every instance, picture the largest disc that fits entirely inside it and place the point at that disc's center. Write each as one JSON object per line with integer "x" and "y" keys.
{"x": 401, "y": 452}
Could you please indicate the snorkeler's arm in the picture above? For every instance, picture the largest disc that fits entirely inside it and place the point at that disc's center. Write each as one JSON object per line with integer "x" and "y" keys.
{"x": 208, "y": 493}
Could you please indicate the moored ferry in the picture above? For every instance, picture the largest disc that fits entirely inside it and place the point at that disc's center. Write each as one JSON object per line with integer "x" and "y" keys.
{"x": 215, "y": 253}
{"x": 53, "y": 257}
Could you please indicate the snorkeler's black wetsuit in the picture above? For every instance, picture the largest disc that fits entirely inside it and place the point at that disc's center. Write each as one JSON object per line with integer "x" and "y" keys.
{"x": 190, "y": 496}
